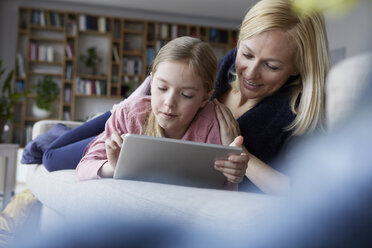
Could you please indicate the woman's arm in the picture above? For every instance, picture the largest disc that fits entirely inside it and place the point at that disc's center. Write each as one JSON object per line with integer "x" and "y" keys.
{"x": 269, "y": 180}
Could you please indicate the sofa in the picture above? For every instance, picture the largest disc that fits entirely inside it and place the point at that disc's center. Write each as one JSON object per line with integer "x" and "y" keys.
{"x": 63, "y": 198}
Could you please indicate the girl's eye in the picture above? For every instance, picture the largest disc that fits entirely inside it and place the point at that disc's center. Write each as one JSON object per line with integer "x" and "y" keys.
{"x": 161, "y": 88}
{"x": 271, "y": 67}
{"x": 187, "y": 96}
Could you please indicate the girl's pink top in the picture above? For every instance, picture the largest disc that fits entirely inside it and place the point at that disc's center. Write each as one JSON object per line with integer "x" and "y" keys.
{"x": 129, "y": 117}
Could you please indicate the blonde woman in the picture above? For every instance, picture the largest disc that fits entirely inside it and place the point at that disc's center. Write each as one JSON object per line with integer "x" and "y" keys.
{"x": 182, "y": 79}
{"x": 271, "y": 87}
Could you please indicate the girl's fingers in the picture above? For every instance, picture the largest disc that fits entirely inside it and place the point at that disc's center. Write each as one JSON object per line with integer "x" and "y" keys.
{"x": 116, "y": 139}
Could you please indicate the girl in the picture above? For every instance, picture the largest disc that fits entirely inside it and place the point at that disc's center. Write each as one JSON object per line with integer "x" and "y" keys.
{"x": 182, "y": 79}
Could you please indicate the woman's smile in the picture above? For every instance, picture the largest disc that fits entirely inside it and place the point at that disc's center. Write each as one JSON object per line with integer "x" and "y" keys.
{"x": 251, "y": 85}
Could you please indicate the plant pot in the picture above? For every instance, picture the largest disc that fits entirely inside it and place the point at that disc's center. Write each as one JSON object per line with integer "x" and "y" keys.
{"x": 40, "y": 113}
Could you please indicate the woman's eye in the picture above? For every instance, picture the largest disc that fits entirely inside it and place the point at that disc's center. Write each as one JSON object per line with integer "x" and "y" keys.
{"x": 271, "y": 67}
{"x": 247, "y": 55}
{"x": 161, "y": 88}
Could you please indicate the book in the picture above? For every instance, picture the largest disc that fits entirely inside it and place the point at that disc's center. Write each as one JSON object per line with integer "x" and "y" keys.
{"x": 69, "y": 52}
{"x": 115, "y": 53}
{"x": 164, "y": 31}
{"x": 50, "y": 54}
{"x": 67, "y": 95}
{"x": 66, "y": 115}
{"x": 82, "y": 22}
{"x": 150, "y": 55}
{"x": 20, "y": 66}
{"x": 102, "y": 24}
{"x": 20, "y": 87}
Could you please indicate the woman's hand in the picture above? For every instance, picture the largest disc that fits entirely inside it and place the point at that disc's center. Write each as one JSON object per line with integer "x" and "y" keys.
{"x": 113, "y": 146}
{"x": 229, "y": 127}
{"x": 234, "y": 168}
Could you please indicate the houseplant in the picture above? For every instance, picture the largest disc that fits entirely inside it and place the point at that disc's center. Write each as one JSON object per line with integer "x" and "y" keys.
{"x": 91, "y": 59}
{"x": 46, "y": 91}
{"x": 7, "y": 99}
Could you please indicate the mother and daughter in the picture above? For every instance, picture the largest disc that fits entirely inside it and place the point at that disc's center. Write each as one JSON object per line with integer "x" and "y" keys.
{"x": 182, "y": 79}
{"x": 268, "y": 90}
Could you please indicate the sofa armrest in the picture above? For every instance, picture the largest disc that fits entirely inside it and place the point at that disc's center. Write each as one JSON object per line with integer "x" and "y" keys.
{"x": 43, "y": 126}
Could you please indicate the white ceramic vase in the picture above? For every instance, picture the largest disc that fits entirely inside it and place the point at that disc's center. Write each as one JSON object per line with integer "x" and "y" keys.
{"x": 40, "y": 113}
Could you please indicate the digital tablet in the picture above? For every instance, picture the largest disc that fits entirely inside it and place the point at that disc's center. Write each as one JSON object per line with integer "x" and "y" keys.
{"x": 171, "y": 161}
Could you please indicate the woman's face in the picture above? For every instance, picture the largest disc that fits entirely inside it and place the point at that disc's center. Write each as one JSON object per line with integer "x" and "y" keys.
{"x": 177, "y": 94}
{"x": 264, "y": 63}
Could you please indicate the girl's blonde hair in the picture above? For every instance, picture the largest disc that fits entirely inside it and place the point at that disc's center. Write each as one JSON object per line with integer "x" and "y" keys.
{"x": 200, "y": 58}
{"x": 308, "y": 31}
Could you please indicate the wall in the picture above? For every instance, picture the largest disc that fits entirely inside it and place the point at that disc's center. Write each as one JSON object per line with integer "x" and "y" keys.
{"x": 351, "y": 31}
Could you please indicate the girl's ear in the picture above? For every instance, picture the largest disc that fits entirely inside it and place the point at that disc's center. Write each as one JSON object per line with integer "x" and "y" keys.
{"x": 206, "y": 98}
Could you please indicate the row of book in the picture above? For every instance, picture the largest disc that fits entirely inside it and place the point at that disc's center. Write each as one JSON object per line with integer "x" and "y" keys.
{"x": 90, "y": 87}
{"x": 220, "y": 36}
{"x": 87, "y": 22}
{"x": 167, "y": 31}
{"x": 40, "y": 52}
{"x": 46, "y": 18}
{"x": 132, "y": 66}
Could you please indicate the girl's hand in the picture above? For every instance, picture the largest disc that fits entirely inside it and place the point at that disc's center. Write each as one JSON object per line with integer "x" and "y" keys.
{"x": 229, "y": 127}
{"x": 234, "y": 168}
{"x": 113, "y": 146}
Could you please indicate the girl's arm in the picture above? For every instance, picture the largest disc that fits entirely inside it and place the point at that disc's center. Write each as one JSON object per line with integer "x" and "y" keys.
{"x": 95, "y": 156}
{"x": 266, "y": 178}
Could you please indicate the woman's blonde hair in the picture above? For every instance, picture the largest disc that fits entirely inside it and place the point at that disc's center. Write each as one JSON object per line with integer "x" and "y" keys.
{"x": 200, "y": 58}
{"x": 308, "y": 31}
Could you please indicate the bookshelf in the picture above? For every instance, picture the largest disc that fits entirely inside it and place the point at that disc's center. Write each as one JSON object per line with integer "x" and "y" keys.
{"x": 50, "y": 42}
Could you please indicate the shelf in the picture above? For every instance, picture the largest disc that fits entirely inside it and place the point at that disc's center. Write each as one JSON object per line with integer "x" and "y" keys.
{"x": 93, "y": 77}
{"x": 99, "y": 96}
{"x": 45, "y": 74}
{"x": 218, "y": 44}
{"x": 133, "y": 31}
{"x": 44, "y": 39}
{"x": 94, "y": 32}
{"x": 48, "y": 28}
{"x": 132, "y": 53}
{"x": 45, "y": 62}
{"x": 16, "y": 124}
{"x": 23, "y": 32}
{"x": 33, "y": 119}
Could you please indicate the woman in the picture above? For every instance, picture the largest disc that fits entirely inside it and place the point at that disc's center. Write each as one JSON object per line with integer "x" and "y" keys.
{"x": 280, "y": 65}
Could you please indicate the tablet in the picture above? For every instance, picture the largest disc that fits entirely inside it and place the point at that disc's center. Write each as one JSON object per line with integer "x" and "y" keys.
{"x": 171, "y": 161}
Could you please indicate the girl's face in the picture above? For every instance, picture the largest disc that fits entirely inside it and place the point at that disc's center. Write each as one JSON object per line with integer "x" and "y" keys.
{"x": 177, "y": 93}
{"x": 264, "y": 63}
